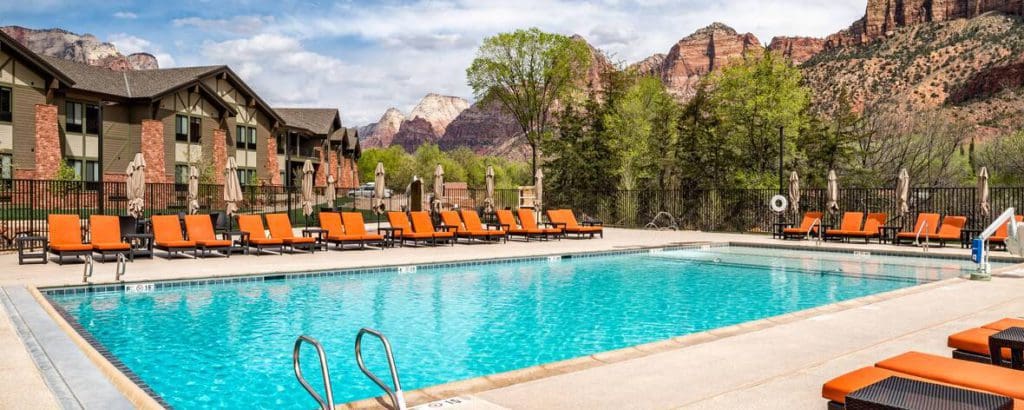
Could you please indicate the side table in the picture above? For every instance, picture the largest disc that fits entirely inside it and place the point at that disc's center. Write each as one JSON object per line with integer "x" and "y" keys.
{"x": 900, "y": 393}
{"x": 887, "y": 234}
{"x": 1013, "y": 339}
{"x": 321, "y": 236}
{"x": 142, "y": 244}
{"x": 390, "y": 236}
{"x": 27, "y": 249}
{"x": 240, "y": 244}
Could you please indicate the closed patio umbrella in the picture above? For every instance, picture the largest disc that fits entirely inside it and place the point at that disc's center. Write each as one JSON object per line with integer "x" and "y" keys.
{"x": 307, "y": 188}
{"x": 539, "y": 192}
{"x": 489, "y": 180}
{"x": 378, "y": 188}
{"x": 983, "y": 193}
{"x": 193, "y": 190}
{"x": 833, "y": 192}
{"x": 794, "y": 193}
{"x": 232, "y": 189}
{"x": 330, "y": 192}
{"x": 438, "y": 188}
{"x": 136, "y": 186}
{"x": 903, "y": 193}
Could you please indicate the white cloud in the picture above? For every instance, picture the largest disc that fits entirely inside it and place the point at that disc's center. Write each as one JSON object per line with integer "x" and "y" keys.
{"x": 241, "y": 25}
{"x": 127, "y": 15}
{"x": 129, "y": 44}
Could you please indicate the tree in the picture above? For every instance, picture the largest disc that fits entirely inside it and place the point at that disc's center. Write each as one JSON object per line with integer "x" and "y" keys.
{"x": 1003, "y": 159}
{"x": 528, "y": 72}
{"x": 642, "y": 129}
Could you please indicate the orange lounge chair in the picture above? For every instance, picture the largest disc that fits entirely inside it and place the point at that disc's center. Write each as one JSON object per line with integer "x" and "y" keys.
{"x": 999, "y": 237}
{"x": 950, "y": 229}
{"x": 800, "y": 232}
{"x": 105, "y": 237}
{"x": 167, "y": 235}
{"x": 927, "y": 226}
{"x": 507, "y": 221}
{"x": 452, "y": 219}
{"x": 332, "y": 223}
{"x": 566, "y": 221}
{"x": 355, "y": 225}
{"x": 421, "y": 223}
{"x": 200, "y": 231}
{"x": 972, "y": 344}
{"x": 65, "y": 237}
{"x": 872, "y": 226}
{"x": 402, "y": 229}
{"x": 529, "y": 222}
{"x": 256, "y": 235}
{"x": 281, "y": 228}
{"x": 930, "y": 368}
{"x": 851, "y": 223}
{"x": 472, "y": 222}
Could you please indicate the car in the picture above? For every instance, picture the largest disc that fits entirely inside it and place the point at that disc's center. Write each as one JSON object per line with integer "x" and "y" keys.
{"x": 367, "y": 190}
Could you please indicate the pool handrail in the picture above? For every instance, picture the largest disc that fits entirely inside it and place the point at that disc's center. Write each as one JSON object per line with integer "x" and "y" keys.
{"x": 917, "y": 237}
{"x": 396, "y": 396}
{"x": 1007, "y": 217}
{"x": 329, "y": 403}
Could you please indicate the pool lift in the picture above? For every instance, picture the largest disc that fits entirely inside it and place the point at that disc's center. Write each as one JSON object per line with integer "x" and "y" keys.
{"x": 979, "y": 246}
{"x": 395, "y": 394}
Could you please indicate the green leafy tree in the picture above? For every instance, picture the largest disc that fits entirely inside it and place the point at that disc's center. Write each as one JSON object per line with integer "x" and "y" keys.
{"x": 397, "y": 163}
{"x": 528, "y": 72}
{"x": 65, "y": 172}
{"x": 1003, "y": 159}
{"x": 642, "y": 128}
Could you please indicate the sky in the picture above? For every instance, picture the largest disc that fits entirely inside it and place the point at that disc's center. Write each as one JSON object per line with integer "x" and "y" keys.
{"x": 363, "y": 57}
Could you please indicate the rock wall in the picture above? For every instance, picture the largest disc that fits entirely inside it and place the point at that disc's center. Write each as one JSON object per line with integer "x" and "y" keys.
{"x": 797, "y": 49}
{"x": 882, "y": 17}
{"x": 700, "y": 53}
{"x": 85, "y": 49}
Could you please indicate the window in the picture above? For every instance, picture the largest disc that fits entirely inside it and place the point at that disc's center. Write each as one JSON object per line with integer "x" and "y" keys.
{"x": 181, "y": 174}
{"x": 6, "y": 166}
{"x": 5, "y": 104}
{"x": 74, "y": 117}
{"x": 247, "y": 176}
{"x": 195, "y": 130}
{"x": 92, "y": 119}
{"x": 181, "y": 128}
{"x": 245, "y": 138}
{"x": 280, "y": 144}
{"x": 86, "y": 170}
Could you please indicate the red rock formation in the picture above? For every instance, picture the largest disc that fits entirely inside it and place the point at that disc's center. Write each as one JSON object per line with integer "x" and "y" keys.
{"x": 797, "y": 49}
{"x": 882, "y": 17}
{"x": 85, "y": 49}
{"x": 383, "y": 132}
{"x": 413, "y": 133}
{"x": 650, "y": 66}
{"x": 485, "y": 129}
{"x": 702, "y": 52}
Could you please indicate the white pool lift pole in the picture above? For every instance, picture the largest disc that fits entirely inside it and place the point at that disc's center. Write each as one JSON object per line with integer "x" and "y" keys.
{"x": 979, "y": 246}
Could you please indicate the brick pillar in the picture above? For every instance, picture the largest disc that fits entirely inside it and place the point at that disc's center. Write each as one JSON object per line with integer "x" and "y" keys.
{"x": 320, "y": 178}
{"x": 153, "y": 151}
{"x": 273, "y": 173}
{"x": 220, "y": 154}
{"x": 349, "y": 174}
{"x": 47, "y": 148}
{"x": 332, "y": 168}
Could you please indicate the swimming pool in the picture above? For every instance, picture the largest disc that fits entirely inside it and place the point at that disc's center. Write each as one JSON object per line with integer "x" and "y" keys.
{"x": 204, "y": 345}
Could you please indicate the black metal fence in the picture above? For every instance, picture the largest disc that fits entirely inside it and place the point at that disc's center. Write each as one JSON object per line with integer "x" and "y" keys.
{"x": 24, "y": 204}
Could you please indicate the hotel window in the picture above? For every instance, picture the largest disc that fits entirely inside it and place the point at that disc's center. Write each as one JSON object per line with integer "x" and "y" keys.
{"x": 5, "y": 104}
{"x": 245, "y": 138}
{"x": 74, "y": 117}
{"x": 246, "y": 176}
{"x": 188, "y": 129}
{"x": 181, "y": 174}
{"x": 6, "y": 166}
{"x": 92, "y": 119}
{"x": 280, "y": 145}
{"x": 86, "y": 170}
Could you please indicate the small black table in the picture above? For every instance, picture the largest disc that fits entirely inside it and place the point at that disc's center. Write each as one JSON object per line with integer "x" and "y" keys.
{"x": 968, "y": 235}
{"x": 1013, "y": 339}
{"x": 240, "y": 244}
{"x": 899, "y": 393}
{"x": 391, "y": 234}
{"x": 27, "y": 249}
{"x": 778, "y": 227}
{"x": 142, "y": 244}
{"x": 887, "y": 234}
{"x": 321, "y": 236}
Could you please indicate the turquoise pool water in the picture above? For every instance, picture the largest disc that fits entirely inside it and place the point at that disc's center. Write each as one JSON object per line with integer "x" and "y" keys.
{"x": 229, "y": 345}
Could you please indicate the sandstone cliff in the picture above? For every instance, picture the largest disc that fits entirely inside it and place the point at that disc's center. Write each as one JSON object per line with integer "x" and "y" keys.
{"x": 797, "y": 49}
{"x": 382, "y": 132}
{"x": 883, "y": 17}
{"x": 698, "y": 54}
{"x": 86, "y": 49}
{"x": 439, "y": 110}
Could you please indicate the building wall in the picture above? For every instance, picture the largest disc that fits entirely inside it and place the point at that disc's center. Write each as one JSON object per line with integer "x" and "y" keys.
{"x": 186, "y": 102}
{"x": 249, "y": 115}
{"x": 28, "y": 88}
{"x": 120, "y": 140}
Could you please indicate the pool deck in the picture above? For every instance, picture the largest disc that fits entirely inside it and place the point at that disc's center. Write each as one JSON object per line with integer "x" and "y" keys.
{"x": 773, "y": 363}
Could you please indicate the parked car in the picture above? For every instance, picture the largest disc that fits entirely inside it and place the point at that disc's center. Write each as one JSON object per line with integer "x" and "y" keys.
{"x": 367, "y": 190}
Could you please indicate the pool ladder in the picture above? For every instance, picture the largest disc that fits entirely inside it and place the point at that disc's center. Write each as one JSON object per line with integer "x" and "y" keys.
{"x": 395, "y": 394}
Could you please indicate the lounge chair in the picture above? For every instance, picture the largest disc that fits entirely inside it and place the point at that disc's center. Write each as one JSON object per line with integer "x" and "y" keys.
{"x": 105, "y": 237}
{"x": 200, "y": 230}
{"x": 950, "y": 229}
{"x": 167, "y": 235}
{"x": 927, "y": 226}
{"x": 421, "y": 223}
{"x": 872, "y": 226}
{"x": 529, "y": 222}
{"x": 332, "y": 223}
{"x": 256, "y": 235}
{"x": 403, "y": 229}
{"x": 281, "y": 228}
{"x": 356, "y": 225}
{"x": 929, "y": 368}
{"x": 507, "y": 221}
{"x": 999, "y": 237}
{"x": 65, "y": 237}
{"x": 565, "y": 220}
{"x": 972, "y": 344}
{"x": 452, "y": 219}
{"x": 810, "y": 224}
{"x": 852, "y": 222}
{"x": 472, "y": 222}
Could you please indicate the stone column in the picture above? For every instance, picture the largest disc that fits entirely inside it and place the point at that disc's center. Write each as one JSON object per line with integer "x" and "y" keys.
{"x": 47, "y": 141}
{"x": 271, "y": 165}
{"x": 320, "y": 178}
{"x": 220, "y": 155}
{"x": 153, "y": 152}
{"x": 332, "y": 168}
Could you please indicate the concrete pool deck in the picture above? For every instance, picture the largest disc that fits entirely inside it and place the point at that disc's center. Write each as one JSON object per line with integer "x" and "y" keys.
{"x": 774, "y": 363}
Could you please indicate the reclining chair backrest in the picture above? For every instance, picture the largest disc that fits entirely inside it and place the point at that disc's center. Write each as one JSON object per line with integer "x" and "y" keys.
{"x": 927, "y": 218}
{"x": 399, "y": 220}
{"x": 331, "y": 222}
{"x": 64, "y": 229}
{"x": 104, "y": 229}
{"x": 451, "y": 218}
{"x": 809, "y": 219}
{"x": 471, "y": 220}
{"x": 280, "y": 226}
{"x": 354, "y": 223}
{"x": 952, "y": 225}
{"x": 505, "y": 217}
{"x": 167, "y": 228}
{"x": 421, "y": 222}
{"x": 874, "y": 222}
{"x": 526, "y": 219}
{"x": 200, "y": 227}
{"x": 1004, "y": 229}
{"x": 851, "y": 221}
{"x": 253, "y": 225}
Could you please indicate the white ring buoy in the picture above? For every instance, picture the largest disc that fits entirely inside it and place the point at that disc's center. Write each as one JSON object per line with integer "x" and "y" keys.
{"x": 779, "y": 203}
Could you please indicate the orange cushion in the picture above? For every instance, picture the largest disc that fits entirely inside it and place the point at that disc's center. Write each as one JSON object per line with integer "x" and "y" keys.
{"x": 70, "y": 247}
{"x": 798, "y": 230}
{"x": 266, "y": 241}
{"x": 371, "y": 237}
{"x": 214, "y": 243}
{"x": 104, "y": 229}
{"x": 64, "y": 230}
{"x": 1003, "y": 324}
{"x": 354, "y": 224}
{"x": 837, "y": 389}
{"x": 582, "y": 229}
{"x": 444, "y": 234}
{"x": 974, "y": 341}
{"x": 299, "y": 240}
{"x": 417, "y": 235}
{"x": 176, "y": 244}
{"x": 345, "y": 238}
{"x": 111, "y": 246}
{"x": 999, "y": 380}
{"x": 199, "y": 228}
{"x": 331, "y": 222}
{"x": 166, "y": 228}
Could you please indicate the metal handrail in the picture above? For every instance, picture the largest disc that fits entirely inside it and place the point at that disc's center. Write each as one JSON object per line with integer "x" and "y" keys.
{"x": 917, "y": 238}
{"x": 396, "y": 396}
{"x": 817, "y": 221}
{"x": 324, "y": 404}
{"x": 122, "y": 267}
{"x": 87, "y": 269}
{"x": 1007, "y": 217}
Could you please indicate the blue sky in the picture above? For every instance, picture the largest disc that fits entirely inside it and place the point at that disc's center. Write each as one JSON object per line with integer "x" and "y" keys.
{"x": 365, "y": 56}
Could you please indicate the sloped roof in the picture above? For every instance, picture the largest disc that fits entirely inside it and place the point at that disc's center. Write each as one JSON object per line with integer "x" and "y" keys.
{"x": 316, "y": 120}
{"x": 129, "y": 84}
{"x": 8, "y": 42}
